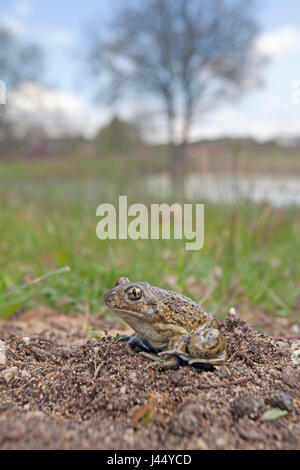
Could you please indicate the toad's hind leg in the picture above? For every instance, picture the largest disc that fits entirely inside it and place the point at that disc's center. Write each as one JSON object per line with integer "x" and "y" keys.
{"x": 206, "y": 345}
{"x": 210, "y": 360}
{"x": 177, "y": 346}
{"x": 170, "y": 363}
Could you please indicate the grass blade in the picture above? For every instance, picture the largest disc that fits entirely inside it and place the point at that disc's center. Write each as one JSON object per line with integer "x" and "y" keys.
{"x": 36, "y": 281}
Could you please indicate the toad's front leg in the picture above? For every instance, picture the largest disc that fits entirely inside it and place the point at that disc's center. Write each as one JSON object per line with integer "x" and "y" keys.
{"x": 136, "y": 342}
{"x": 173, "y": 340}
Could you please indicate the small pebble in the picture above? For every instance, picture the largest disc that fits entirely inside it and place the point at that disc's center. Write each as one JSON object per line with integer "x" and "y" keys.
{"x": 220, "y": 442}
{"x": 250, "y": 432}
{"x": 201, "y": 444}
{"x": 295, "y": 352}
{"x": 289, "y": 376}
{"x": 26, "y": 339}
{"x": 296, "y": 329}
{"x": 128, "y": 436}
{"x": 177, "y": 378}
{"x": 247, "y": 406}
{"x": 9, "y": 374}
{"x": 281, "y": 344}
{"x": 26, "y": 407}
{"x": 221, "y": 372}
{"x": 189, "y": 418}
{"x": 132, "y": 377}
{"x": 282, "y": 400}
{"x": 25, "y": 374}
{"x": 3, "y": 359}
{"x": 238, "y": 332}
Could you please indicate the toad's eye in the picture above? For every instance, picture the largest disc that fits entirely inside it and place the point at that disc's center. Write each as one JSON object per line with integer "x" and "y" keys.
{"x": 134, "y": 293}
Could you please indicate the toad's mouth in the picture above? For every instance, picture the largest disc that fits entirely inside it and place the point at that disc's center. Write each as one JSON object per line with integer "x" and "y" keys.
{"x": 130, "y": 313}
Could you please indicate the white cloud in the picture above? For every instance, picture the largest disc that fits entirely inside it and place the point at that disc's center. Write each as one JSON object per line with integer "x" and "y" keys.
{"x": 280, "y": 42}
{"x": 55, "y": 111}
{"x": 61, "y": 113}
{"x": 12, "y": 24}
{"x": 271, "y": 117}
{"x": 22, "y": 8}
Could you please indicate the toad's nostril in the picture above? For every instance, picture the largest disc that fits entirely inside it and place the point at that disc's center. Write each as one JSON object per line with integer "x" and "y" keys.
{"x": 109, "y": 296}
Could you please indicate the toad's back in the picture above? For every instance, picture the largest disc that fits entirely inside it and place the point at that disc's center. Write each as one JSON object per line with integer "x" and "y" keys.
{"x": 179, "y": 309}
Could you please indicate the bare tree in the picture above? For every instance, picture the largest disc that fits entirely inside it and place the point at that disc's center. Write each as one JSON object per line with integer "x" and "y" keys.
{"x": 18, "y": 62}
{"x": 190, "y": 54}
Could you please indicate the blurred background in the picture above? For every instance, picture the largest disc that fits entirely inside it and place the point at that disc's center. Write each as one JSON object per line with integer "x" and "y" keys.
{"x": 162, "y": 101}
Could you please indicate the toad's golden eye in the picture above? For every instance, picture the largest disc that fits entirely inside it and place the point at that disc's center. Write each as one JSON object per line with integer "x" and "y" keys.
{"x": 134, "y": 293}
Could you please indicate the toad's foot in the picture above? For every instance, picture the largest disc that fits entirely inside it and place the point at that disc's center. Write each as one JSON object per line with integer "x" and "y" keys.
{"x": 212, "y": 360}
{"x": 170, "y": 363}
{"x": 136, "y": 342}
{"x": 171, "y": 352}
{"x": 123, "y": 338}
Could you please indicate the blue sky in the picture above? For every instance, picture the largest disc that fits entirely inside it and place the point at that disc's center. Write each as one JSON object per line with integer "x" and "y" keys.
{"x": 59, "y": 26}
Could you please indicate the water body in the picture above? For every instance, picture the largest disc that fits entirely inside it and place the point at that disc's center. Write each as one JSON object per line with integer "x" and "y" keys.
{"x": 215, "y": 187}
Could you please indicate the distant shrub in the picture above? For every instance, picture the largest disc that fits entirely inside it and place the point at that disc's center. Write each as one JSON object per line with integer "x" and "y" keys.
{"x": 118, "y": 137}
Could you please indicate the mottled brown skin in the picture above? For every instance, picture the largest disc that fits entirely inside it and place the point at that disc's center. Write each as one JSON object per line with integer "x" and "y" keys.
{"x": 168, "y": 325}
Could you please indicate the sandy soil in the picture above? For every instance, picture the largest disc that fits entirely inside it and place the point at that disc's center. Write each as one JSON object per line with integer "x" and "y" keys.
{"x": 61, "y": 389}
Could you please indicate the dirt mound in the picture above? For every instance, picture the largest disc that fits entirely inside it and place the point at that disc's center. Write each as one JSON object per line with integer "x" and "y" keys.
{"x": 100, "y": 395}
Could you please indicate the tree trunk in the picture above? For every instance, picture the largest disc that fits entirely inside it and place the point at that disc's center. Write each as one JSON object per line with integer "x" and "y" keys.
{"x": 177, "y": 158}
{"x": 177, "y": 168}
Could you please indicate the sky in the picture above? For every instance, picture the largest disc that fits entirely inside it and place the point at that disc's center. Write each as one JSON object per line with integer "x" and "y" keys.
{"x": 60, "y": 25}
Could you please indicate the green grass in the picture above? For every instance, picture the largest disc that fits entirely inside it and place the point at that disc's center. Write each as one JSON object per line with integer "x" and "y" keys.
{"x": 48, "y": 221}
